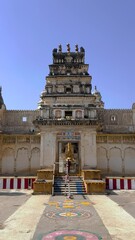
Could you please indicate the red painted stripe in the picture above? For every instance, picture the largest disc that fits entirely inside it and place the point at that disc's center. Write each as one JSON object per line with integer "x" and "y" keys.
{"x": 4, "y": 183}
{"x": 114, "y": 183}
{"x": 121, "y": 183}
{"x": 129, "y": 183}
{"x": 26, "y": 183}
{"x": 19, "y": 183}
{"x": 11, "y": 183}
{"x": 107, "y": 183}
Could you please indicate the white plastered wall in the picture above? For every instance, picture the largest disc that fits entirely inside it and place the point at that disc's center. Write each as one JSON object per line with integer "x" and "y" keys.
{"x": 35, "y": 159}
{"x": 88, "y": 149}
{"x": 22, "y": 160}
{"x": 116, "y": 159}
{"x": 102, "y": 159}
{"x": 129, "y": 160}
{"x": 8, "y": 161}
{"x": 48, "y": 149}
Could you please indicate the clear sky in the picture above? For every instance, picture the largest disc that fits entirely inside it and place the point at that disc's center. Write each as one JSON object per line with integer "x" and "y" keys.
{"x": 30, "y": 29}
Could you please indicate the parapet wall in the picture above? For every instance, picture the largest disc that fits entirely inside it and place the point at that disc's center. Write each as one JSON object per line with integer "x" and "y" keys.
{"x": 15, "y": 121}
{"x": 117, "y": 120}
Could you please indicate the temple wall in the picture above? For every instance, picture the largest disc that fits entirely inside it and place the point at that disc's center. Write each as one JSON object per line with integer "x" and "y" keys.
{"x": 16, "y": 121}
{"x": 23, "y": 155}
{"x": 117, "y": 158}
{"x": 19, "y": 155}
{"x": 117, "y": 120}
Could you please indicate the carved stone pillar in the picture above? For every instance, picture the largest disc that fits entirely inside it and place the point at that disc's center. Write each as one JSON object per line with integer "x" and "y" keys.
{"x": 88, "y": 149}
{"x": 48, "y": 149}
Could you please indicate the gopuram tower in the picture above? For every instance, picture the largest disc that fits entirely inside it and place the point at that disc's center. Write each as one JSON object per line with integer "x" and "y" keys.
{"x": 68, "y": 112}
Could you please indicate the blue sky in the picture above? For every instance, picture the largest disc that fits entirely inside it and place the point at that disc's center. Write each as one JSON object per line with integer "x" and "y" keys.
{"x": 30, "y": 29}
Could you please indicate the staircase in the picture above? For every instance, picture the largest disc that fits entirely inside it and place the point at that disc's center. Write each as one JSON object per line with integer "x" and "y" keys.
{"x": 75, "y": 184}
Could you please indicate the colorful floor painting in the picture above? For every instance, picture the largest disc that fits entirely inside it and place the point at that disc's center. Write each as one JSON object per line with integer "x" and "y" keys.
{"x": 70, "y": 215}
{"x": 69, "y": 209}
{"x": 71, "y": 235}
{"x": 71, "y": 219}
{"x": 70, "y": 204}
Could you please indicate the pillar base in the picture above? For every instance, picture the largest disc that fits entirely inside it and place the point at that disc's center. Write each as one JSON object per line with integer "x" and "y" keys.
{"x": 95, "y": 186}
{"x": 43, "y": 183}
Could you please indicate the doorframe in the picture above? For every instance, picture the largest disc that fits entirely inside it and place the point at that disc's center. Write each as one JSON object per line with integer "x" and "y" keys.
{"x": 79, "y": 155}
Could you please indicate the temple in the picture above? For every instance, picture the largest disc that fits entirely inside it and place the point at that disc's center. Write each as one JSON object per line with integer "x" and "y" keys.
{"x": 69, "y": 112}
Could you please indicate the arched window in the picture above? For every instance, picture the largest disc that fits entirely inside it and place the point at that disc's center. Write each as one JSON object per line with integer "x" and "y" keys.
{"x": 58, "y": 114}
{"x": 78, "y": 114}
{"x": 113, "y": 118}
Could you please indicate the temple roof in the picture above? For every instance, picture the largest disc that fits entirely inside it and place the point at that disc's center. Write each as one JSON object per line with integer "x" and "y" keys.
{"x": 68, "y": 57}
{"x": 68, "y": 62}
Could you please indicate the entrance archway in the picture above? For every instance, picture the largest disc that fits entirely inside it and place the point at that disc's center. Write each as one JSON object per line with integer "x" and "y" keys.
{"x": 61, "y": 161}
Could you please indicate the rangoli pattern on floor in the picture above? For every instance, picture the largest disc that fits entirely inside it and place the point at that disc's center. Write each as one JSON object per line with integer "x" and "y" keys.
{"x": 71, "y": 235}
{"x": 70, "y": 204}
{"x": 68, "y": 214}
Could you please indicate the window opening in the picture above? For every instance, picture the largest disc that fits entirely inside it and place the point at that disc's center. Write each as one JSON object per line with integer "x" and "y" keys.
{"x": 24, "y": 119}
{"x": 68, "y": 114}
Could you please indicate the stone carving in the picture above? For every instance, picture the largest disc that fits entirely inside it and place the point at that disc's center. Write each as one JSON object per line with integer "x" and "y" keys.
{"x": 8, "y": 140}
{"x": 2, "y": 105}
{"x": 101, "y": 139}
{"x": 128, "y": 139}
{"x": 76, "y": 48}
{"x": 68, "y": 135}
{"x": 35, "y": 139}
{"x": 60, "y": 48}
{"x": 55, "y": 50}
{"x": 69, "y": 152}
{"x": 68, "y": 47}
{"x": 115, "y": 139}
{"x": 58, "y": 113}
{"x": 82, "y": 49}
{"x": 23, "y": 139}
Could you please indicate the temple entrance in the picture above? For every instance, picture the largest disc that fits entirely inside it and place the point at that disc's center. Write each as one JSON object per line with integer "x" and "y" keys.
{"x": 63, "y": 148}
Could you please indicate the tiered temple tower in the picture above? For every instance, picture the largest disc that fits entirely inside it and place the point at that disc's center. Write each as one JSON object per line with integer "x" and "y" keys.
{"x": 68, "y": 112}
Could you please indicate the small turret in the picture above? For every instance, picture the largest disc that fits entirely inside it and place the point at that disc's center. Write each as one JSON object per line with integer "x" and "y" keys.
{"x": 2, "y": 105}
{"x": 98, "y": 96}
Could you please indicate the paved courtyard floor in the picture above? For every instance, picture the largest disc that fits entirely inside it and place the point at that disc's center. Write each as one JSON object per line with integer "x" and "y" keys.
{"x": 24, "y": 216}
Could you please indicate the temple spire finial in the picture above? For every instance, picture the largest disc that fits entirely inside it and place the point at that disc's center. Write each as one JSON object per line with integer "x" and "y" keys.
{"x": 68, "y": 47}
{"x": 2, "y": 105}
{"x": 76, "y": 47}
{"x": 60, "y": 48}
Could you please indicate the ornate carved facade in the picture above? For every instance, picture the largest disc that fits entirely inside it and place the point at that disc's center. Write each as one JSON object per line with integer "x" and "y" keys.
{"x": 68, "y": 112}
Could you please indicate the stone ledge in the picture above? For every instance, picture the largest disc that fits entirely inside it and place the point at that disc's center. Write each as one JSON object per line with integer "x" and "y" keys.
{"x": 92, "y": 122}
{"x": 95, "y": 186}
{"x": 88, "y": 174}
{"x": 45, "y": 174}
{"x": 42, "y": 187}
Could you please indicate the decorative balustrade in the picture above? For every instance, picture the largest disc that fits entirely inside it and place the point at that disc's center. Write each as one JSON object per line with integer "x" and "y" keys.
{"x": 43, "y": 121}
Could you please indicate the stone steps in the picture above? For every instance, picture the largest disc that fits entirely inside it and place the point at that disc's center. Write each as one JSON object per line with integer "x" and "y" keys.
{"x": 75, "y": 183}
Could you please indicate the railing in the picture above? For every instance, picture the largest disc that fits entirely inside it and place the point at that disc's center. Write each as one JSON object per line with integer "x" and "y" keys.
{"x": 66, "y": 177}
{"x": 53, "y": 179}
